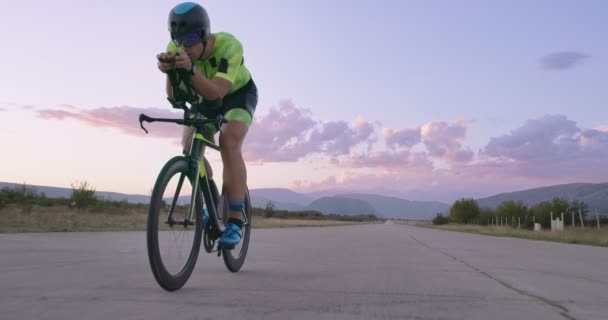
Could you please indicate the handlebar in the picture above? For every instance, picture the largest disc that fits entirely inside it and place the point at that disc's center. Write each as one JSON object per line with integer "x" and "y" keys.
{"x": 191, "y": 114}
{"x": 189, "y": 120}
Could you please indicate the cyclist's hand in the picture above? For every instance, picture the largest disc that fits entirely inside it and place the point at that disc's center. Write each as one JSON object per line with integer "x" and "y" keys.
{"x": 182, "y": 61}
{"x": 166, "y": 61}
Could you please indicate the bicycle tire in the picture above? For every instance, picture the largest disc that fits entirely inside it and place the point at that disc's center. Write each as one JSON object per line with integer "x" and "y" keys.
{"x": 164, "y": 278}
{"x": 234, "y": 264}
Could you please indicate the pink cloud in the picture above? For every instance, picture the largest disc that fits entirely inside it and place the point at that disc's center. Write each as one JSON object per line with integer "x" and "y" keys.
{"x": 406, "y": 138}
{"x": 551, "y": 148}
{"x": 3, "y": 109}
{"x": 388, "y": 161}
{"x": 445, "y": 141}
{"x": 602, "y": 128}
{"x": 545, "y": 151}
{"x": 124, "y": 119}
{"x": 289, "y": 133}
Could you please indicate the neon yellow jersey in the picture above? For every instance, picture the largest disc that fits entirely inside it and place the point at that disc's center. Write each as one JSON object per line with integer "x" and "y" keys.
{"x": 226, "y": 61}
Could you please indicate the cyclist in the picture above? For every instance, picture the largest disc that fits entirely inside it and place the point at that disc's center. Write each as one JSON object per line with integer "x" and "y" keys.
{"x": 218, "y": 78}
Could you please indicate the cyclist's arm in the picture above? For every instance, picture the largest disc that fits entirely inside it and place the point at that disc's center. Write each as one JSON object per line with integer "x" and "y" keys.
{"x": 169, "y": 88}
{"x": 213, "y": 89}
{"x": 229, "y": 66}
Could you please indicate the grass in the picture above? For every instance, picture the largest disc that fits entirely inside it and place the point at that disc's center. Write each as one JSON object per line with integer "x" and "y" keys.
{"x": 33, "y": 218}
{"x": 588, "y": 236}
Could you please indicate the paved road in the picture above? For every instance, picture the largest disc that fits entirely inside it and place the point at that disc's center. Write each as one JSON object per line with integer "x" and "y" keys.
{"x": 355, "y": 272}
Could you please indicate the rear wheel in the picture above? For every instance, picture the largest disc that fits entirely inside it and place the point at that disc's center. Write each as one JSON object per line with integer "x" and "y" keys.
{"x": 173, "y": 240}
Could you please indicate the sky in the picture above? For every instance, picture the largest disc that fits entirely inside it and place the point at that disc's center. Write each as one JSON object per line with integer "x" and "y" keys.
{"x": 424, "y": 100}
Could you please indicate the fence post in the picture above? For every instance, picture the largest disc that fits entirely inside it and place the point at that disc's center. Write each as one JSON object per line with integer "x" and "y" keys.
{"x": 597, "y": 217}
{"x": 518, "y": 223}
{"x": 580, "y": 215}
{"x": 573, "y": 222}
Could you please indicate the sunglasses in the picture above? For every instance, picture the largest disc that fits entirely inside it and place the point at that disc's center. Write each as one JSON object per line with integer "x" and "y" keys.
{"x": 187, "y": 39}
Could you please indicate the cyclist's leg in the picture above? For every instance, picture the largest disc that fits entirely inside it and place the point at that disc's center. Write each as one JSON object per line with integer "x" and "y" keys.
{"x": 240, "y": 108}
{"x": 235, "y": 171}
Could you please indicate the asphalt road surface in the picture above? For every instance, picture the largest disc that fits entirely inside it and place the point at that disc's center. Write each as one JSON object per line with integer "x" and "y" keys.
{"x": 355, "y": 272}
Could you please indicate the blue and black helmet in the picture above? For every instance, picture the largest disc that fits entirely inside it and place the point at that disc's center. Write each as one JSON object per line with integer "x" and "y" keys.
{"x": 189, "y": 16}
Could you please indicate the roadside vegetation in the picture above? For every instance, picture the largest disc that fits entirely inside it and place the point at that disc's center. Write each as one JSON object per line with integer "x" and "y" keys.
{"x": 515, "y": 219}
{"x": 24, "y": 209}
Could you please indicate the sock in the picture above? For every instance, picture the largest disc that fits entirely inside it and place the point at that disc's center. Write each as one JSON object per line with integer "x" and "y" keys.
{"x": 236, "y": 205}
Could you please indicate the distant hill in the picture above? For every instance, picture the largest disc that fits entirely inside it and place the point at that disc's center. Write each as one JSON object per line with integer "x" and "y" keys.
{"x": 283, "y": 195}
{"x": 594, "y": 194}
{"x": 341, "y": 205}
{"x": 283, "y": 199}
{"x": 391, "y": 207}
{"x": 56, "y": 192}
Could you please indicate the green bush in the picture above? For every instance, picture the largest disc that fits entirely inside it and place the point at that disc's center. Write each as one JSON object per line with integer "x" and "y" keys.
{"x": 440, "y": 219}
{"x": 3, "y": 199}
{"x": 464, "y": 210}
{"x": 83, "y": 195}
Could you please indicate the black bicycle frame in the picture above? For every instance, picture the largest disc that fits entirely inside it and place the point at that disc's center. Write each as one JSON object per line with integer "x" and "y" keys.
{"x": 192, "y": 117}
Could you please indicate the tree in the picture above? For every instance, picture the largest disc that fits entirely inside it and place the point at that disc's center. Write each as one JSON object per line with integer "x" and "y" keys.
{"x": 485, "y": 216}
{"x": 440, "y": 219}
{"x": 575, "y": 206}
{"x": 511, "y": 210}
{"x": 560, "y": 205}
{"x": 464, "y": 210}
{"x": 83, "y": 195}
{"x": 542, "y": 213}
{"x": 269, "y": 210}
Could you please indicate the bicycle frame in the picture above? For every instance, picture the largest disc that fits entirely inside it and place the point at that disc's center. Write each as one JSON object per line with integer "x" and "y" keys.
{"x": 196, "y": 165}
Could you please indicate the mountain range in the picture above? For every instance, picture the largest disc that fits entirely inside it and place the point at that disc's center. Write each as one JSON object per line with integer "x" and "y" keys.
{"x": 340, "y": 202}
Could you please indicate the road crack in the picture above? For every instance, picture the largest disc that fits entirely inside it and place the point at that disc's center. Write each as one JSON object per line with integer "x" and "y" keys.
{"x": 563, "y": 310}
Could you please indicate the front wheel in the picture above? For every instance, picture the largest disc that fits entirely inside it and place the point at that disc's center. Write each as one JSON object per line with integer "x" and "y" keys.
{"x": 173, "y": 231}
{"x": 235, "y": 257}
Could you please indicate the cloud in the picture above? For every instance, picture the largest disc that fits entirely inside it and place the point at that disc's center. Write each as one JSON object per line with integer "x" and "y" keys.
{"x": 550, "y": 146}
{"x": 442, "y": 141}
{"x": 3, "y": 109}
{"x": 445, "y": 141}
{"x": 288, "y": 133}
{"x": 412, "y": 185}
{"x": 562, "y": 60}
{"x": 602, "y": 128}
{"x": 123, "y": 119}
{"x": 388, "y": 161}
{"x": 406, "y": 138}
{"x": 548, "y": 150}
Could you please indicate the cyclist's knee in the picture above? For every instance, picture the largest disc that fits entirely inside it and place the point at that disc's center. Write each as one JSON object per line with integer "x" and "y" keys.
{"x": 187, "y": 134}
{"x": 232, "y": 136}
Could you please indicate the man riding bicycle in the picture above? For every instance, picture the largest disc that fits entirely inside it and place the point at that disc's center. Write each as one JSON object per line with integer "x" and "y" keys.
{"x": 218, "y": 78}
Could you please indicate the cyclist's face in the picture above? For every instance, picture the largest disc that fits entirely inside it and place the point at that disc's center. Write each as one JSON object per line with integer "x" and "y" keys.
{"x": 194, "y": 51}
{"x": 190, "y": 43}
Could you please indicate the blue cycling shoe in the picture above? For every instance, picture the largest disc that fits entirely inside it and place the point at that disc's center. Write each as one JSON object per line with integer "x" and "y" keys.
{"x": 232, "y": 236}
